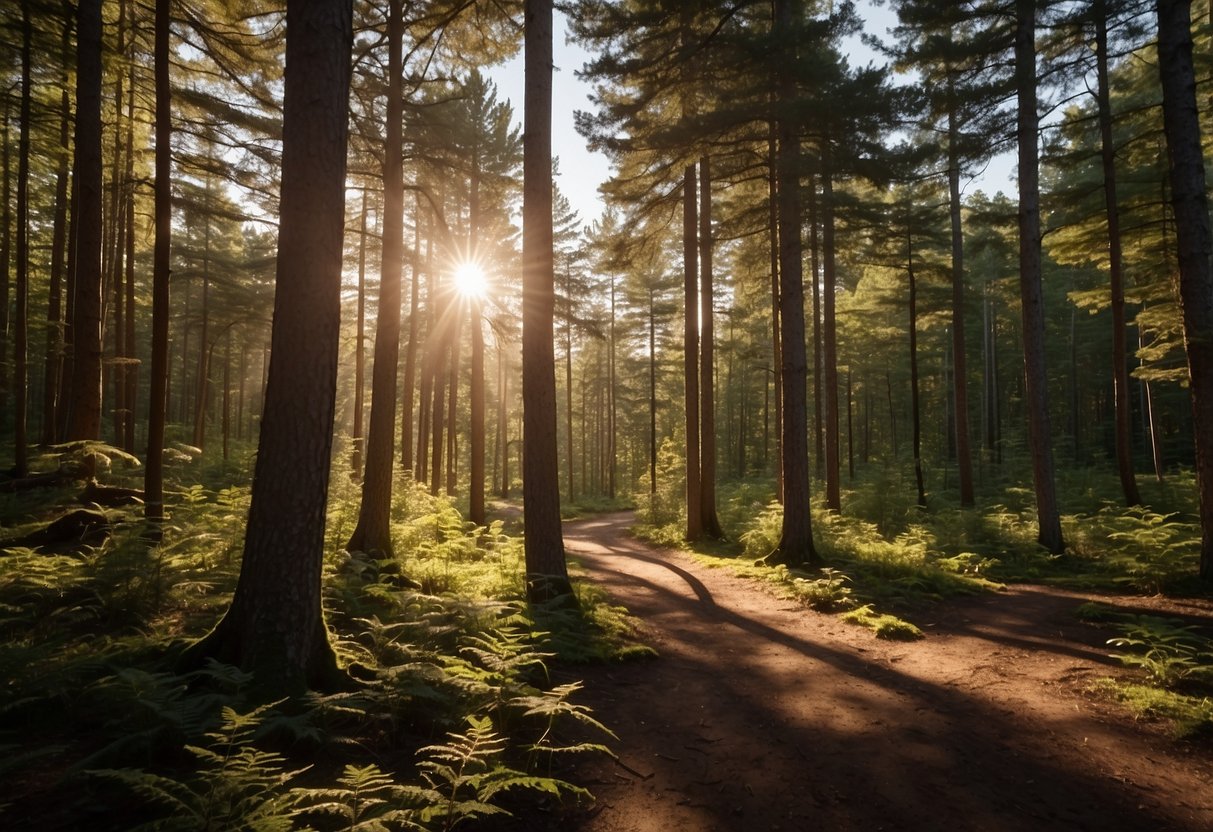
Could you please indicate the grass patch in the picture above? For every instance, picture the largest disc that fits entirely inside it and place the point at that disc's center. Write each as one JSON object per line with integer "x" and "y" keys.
{"x": 1175, "y": 660}
{"x": 1189, "y": 716}
{"x": 884, "y": 625}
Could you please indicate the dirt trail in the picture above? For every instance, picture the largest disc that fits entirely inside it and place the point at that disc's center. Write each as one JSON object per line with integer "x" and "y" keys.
{"x": 761, "y": 715}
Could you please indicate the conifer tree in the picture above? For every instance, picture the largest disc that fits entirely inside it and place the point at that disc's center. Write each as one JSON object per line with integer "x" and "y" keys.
{"x": 1194, "y": 242}
{"x": 275, "y": 624}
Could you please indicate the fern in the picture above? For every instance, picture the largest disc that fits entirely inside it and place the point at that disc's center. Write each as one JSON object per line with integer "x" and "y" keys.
{"x": 1166, "y": 650}
{"x": 468, "y": 772}
{"x": 367, "y": 800}
{"x": 238, "y": 787}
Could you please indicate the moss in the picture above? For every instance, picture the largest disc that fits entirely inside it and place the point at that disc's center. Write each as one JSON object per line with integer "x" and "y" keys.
{"x": 884, "y": 625}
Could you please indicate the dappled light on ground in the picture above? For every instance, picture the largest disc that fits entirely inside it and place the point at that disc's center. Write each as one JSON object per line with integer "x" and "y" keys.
{"x": 763, "y": 715}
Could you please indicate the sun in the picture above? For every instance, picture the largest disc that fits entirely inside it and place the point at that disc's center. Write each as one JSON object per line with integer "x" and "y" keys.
{"x": 470, "y": 280}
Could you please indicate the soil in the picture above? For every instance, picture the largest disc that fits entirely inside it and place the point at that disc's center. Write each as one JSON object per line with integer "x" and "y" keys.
{"x": 762, "y": 715}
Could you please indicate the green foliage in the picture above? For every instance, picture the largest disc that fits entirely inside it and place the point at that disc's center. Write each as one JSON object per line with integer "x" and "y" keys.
{"x": 1176, "y": 659}
{"x": 1165, "y": 649}
{"x": 828, "y": 593}
{"x": 237, "y": 786}
{"x": 661, "y": 516}
{"x": 87, "y": 644}
{"x": 1189, "y": 715}
{"x": 884, "y": 625}
{"x": 468, "y": 773}
{"x": 366, "y": 800}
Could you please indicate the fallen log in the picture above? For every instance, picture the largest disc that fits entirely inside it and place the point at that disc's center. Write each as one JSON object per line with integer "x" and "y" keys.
{"x": 79, "y": 526}
{"x": 49, "y": 479}
{"x": 109, "y": 495}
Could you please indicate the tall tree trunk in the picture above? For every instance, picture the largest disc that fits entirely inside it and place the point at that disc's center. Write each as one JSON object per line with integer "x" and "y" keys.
{"x": 915, "y": 410}
{"x": 819, "y": 445}
{"x": 437, "y": 419}
{"x": 964, "y": 459}
{"x": 1035, "y": 376}
{"x": 611, "y": 420}
{"x": 503, "y": 425}
{"x": 776, "y": 349}
{"x": 67, "y": 361}
{"x": 850, "y": 428}
{"x": 6, "y": 255}
{"x": 227, "y": 395}
{"x": 452, "y": 408}
{"x": 476, "y": 402}
{"x": 652, "y": 394}
{"x": 1120, "y": 364}
{"x": 86, "y": 325}
{"x": 829, "y": 330}
{"x": 428, "y": 362}
{"x": 115, "y": 247}
{"x": 52, "y": 373}
{"x": 547, "y": 572}
{"x": 275, "y": 624}
{"x": 202, "y": 380}
{"x": 356, "y": 437}
{"x": 153, "y": 474}
{"x": 476, "y": 386}
{"x": 373, "y": 533}
{"x": 690, "y": 354}
{"x": 796, "y": 536}
{"x": 568, "y": 384}
{"x": 990, "y": 338}
{"x": 707, "y": 392}
{"x": 410, "y": 354}
{"x": 1148, "y": 414}
{"x": 20, "y": 341}
{"x": 130, "y": 367}
{"x": 1190, "y": 202}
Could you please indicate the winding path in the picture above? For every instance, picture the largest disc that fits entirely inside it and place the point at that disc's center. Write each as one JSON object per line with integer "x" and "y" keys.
{"x": 761, "y": 715}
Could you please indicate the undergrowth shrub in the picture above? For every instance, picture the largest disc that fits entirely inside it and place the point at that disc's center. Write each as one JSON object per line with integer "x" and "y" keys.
{"x": 1176, "y": 660}
{"x": 449, "y": 661}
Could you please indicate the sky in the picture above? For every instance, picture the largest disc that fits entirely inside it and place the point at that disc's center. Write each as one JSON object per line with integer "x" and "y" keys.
{"x": 582, "y": 171}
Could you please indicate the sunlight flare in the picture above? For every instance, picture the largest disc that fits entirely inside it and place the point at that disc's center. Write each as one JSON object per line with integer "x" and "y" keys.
{"x": 470, "y": 280}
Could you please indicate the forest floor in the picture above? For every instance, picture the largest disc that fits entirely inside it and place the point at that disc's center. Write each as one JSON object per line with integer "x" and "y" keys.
{"x": 760, "y": 714}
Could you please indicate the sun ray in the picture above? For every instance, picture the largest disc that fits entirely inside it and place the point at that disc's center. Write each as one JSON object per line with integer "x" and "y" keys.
{"x": 470, "y": 280}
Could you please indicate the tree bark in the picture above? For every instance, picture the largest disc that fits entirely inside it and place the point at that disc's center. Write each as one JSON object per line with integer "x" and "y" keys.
{"x": 54, "y": 318}
{"x": 356, "y": 437}
{"x": 1190, "y": 202}
{"x": 829, "y": 330}
{"x": 690, "y": 353}
{"x": 476, "y": 403}
{"x": 20, "y": 341}
{"x": 153, "y": 475}
{"x": 707, "y": 393}
{"x": 275, "y": 625}
{"x": 776, "y": 349}
{"x": 130, "y": 371}
{"x": 410, "y": 353}
{"x": 964, "y": 458}
{"x": 547, "y": 573}
{"x": 1035, "y": 375}
{"x": 1120, "y": 365}
{"x": 915, "y": 411}
{"x": 795, "y": 546}
{"x": 373, "y": 532}
{"x": 652, "y": 394}
{"x": 6, "y": 255}
{"x": 86, "y": 324}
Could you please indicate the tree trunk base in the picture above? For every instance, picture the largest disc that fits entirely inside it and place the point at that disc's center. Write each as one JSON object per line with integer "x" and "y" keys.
{"x": 793, "y": 556}
{"x": 224, "y": 645}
